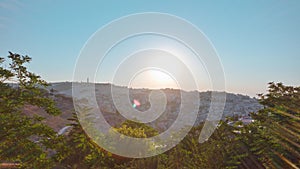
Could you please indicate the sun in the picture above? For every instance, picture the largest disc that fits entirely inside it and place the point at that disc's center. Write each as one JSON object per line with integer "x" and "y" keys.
{"x": 153, "y": 78}
{"x": 159, "y": 76}
{"x": 160, "y": 79}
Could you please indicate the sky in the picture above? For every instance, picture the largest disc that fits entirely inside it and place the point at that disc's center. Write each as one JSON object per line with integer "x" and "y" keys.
{"x": 256, "y": 41}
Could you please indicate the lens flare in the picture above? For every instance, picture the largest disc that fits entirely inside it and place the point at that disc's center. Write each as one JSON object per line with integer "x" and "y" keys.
{"x": 136, "y": 103}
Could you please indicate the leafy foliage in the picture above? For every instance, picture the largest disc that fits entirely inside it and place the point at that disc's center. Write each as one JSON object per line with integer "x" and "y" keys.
{"x": 24, "y": 140}
{"x": 81, "y": 152}
{"x": 274, "y": 137}
{"x": 137, "y": 130}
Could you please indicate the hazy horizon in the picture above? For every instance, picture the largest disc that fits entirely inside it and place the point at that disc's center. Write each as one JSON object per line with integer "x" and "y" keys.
{"x": 145, "y": 88}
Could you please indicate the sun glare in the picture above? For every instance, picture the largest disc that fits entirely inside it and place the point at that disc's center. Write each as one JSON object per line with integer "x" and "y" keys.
{"x": 159, "y": 79}
{"x": 159, "y": 76}
{"x": 153, "y": 79}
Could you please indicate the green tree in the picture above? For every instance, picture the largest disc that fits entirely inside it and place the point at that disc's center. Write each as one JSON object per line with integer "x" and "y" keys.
{"x": 221, "y": 150}
{"x": 274, "y": 137}
{"x": 25, "y": 140}
{"x": 82, "y": 152}
{"x": 135, "y": 129}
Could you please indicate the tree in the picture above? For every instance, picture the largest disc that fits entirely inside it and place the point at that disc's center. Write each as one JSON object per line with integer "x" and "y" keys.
{"x": 274, "y": 137}
{"x": 82, "y": 152}
{"x": 221, "y": 150}
{"x": 25, "y": 140}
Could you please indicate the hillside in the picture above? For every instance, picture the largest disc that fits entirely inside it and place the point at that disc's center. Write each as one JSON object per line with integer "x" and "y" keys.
{"x": 236, "y": 104}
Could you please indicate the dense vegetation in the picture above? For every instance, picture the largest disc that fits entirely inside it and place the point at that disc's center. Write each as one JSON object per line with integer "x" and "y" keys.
{"x": 271, "y": 141}
{"x": 24, "y": 140}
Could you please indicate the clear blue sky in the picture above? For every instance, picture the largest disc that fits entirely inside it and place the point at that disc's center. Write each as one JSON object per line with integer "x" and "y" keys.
{"x": 257, "y": 41}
